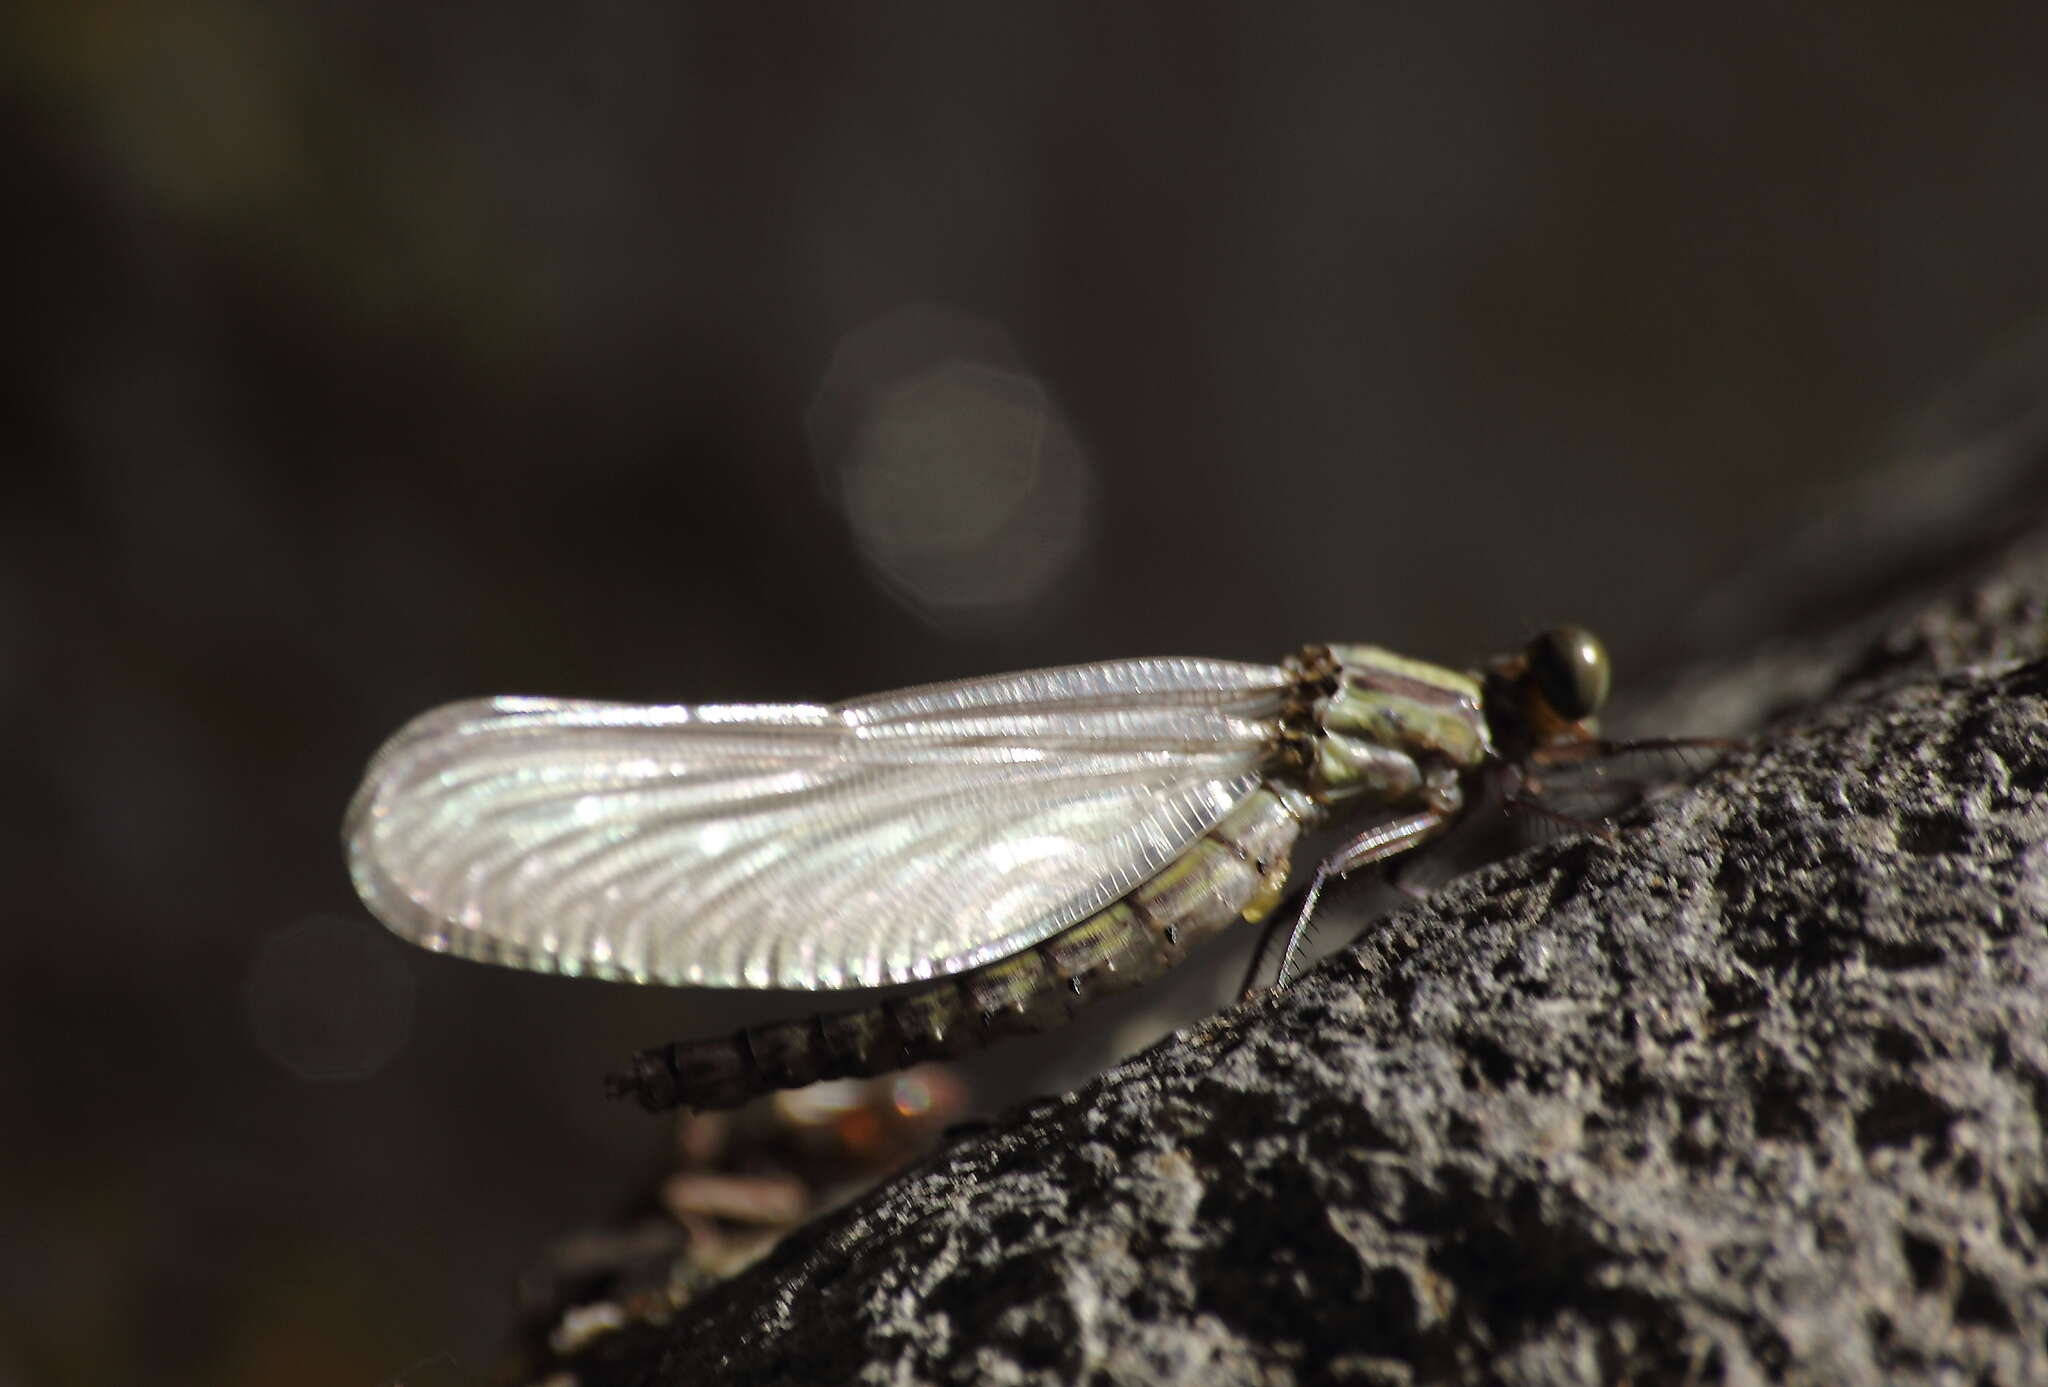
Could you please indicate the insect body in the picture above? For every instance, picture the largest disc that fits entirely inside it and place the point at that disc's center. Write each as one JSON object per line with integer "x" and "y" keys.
{"x": 1020, "y": 844}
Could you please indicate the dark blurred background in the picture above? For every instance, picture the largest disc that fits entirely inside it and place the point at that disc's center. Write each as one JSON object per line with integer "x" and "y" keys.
{"x": 362, "y": 357}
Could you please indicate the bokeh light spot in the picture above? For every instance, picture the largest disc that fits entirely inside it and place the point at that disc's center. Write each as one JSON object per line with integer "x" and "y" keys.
{"x": 963, "y": 485}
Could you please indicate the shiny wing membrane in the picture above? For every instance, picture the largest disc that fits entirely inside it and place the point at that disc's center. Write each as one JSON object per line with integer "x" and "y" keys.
{"x": 899, "y": 837}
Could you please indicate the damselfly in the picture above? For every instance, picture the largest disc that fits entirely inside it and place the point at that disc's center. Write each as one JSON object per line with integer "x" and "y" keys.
{"x": 1019, "y": 845}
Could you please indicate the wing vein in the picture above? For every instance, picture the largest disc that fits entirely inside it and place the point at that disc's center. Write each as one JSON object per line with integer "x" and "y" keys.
{"x": 895, "y": 837}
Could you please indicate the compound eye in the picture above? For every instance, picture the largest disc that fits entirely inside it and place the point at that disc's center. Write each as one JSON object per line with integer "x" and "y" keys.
{"x": 1570, "y": 670}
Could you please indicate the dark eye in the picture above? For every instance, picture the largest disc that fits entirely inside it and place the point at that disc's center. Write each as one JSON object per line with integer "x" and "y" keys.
{"x": 1569, "y": 666}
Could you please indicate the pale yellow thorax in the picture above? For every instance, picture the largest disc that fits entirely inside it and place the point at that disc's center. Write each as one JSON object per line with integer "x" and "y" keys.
{"x": 1388, "y": 717}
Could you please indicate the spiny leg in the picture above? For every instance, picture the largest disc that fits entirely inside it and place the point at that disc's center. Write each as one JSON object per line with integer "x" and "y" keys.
{"x": 1529, "y": 803}
{"x": 1596, "y": 749}
{"x": 1376, "y": 844}
{"x": 1525, "y": 793}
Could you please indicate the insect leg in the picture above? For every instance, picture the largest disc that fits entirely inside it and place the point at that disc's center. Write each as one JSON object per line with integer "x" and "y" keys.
{"x": 1530, "y": 804}
{"x": 1376, "y": 844}
{"x": 1594, "y": 749}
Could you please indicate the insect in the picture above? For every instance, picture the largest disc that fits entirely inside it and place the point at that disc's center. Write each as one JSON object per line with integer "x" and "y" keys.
{"x": 1019, "y": 845}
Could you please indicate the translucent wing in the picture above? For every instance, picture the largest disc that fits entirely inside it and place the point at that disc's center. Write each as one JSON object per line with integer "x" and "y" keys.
{"x": 899, "y": 837}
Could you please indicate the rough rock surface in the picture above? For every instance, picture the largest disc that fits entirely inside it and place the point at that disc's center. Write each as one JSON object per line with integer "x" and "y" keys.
{"x": 1752, "y": 1092}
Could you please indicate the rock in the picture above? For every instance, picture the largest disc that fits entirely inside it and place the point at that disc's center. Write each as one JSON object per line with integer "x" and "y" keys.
{"x": 1753, "y": 1091}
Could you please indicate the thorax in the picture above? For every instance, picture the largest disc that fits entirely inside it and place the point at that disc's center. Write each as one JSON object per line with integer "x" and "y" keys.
{"x": 1382, "y": 722}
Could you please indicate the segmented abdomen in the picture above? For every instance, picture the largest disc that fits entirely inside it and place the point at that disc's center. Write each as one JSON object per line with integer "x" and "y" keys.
{"x": 1238, "y": 868}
